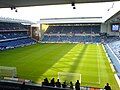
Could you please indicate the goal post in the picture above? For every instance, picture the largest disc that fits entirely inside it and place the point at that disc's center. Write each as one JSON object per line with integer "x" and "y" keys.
{"x": 68, "y": 77}
{"x": 8, "y": 71}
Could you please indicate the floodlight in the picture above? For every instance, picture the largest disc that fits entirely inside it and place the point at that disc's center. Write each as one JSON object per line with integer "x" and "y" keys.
{"x": 16, "y": 10}
{"x": 74, "y": 7}
{"x": 14, "y": 7}
{"x": 72, "y": 4}
{"x": 11, "y": 8}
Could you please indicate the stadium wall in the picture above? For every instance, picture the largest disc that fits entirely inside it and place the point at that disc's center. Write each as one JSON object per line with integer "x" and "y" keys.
{"x": 115, "y": 61}
{"x": 43, "y": 28}
{"x": 106, "y": 28}
{"x": 35, "y": 32}
{"x": 103, "y": 28}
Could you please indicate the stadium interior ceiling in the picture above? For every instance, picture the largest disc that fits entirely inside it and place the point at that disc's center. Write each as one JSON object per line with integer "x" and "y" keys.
{"x": 115, "y": 18}
{"x": 25, "y": 3}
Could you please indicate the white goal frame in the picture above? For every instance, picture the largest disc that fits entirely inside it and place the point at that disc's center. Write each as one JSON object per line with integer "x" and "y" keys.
{"x": 8, "y": 71}
{"x": 68, "y": 77}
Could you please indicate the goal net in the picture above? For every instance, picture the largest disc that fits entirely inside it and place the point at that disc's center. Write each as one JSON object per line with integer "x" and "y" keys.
{"x": 68, "y": 77}
{"x": 8, "y": 71}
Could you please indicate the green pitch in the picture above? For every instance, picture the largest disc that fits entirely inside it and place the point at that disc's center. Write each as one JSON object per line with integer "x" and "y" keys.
{"x": 38, "y": 61}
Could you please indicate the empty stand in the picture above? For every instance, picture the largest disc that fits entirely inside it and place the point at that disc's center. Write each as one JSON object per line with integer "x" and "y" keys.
{"x": 13, "y": 35}
{"x": 74, "y": 29}
{"x": 83, "y": 33}
{"x": 11, "y": 26}
{"x": 112, "y": 45}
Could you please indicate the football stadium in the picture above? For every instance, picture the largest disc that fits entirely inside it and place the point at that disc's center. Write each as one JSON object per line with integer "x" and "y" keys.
{"x": 33, "y": 56}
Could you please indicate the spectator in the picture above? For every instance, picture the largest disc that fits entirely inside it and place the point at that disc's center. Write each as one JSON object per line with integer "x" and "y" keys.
{"x": 71, "y": 86}
{"x": 58, "y": 84}
{"x": 77, "y": 85}
{"x": 45, "y": 82}
{"x": 64, "y": 84}
{"x": 23, "y": 85}
{"x": 107, "y": 87}
{"x": 52, "y": 83}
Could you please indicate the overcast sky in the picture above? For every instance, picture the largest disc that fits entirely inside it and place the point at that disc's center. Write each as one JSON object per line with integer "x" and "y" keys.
{"x": 61, "y": 11}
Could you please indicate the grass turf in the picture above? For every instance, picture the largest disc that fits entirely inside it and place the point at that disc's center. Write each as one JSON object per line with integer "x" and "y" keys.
{"x": 38, "y": 61}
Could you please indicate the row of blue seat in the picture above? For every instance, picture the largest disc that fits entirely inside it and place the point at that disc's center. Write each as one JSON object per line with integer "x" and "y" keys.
{"x": 11, "y": 26}
{"x": 114, "y": 60}
{"x": 111, "y": 39}
{"x": 115, "y": 46}
{"x": 11, "y": 35}
{"x": 74, "y": 29}
{"x": 94, "y": 39}
{"x": 16, "y": 43}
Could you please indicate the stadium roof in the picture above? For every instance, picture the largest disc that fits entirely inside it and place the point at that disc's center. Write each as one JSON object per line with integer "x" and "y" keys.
{"x": 2, "y": 19}
{"x": 79, "y": 19}
{"x": 115, "y": 18}
{"x": 24, "y": 3}
{"x": 71, "y": 20}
